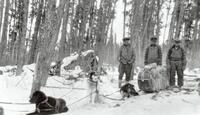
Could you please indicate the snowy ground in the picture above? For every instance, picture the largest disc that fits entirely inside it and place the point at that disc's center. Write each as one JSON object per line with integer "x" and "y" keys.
{"x": 15, "y": 92}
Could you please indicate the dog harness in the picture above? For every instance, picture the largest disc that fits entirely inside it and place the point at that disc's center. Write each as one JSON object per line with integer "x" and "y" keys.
{"x": 49, "y": 106}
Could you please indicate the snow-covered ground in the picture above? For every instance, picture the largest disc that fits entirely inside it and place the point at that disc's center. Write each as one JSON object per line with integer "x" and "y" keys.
{"x": 15, "y": 91}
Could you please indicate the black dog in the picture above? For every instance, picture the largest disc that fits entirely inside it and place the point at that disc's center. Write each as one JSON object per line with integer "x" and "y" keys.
{"x": 46, "y": 105}
{"x": 128, "y": 90}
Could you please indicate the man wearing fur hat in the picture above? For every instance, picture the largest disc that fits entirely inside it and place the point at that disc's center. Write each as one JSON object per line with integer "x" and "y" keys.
{"x": 176, "y": 62}
{"x": 126, "y": 59}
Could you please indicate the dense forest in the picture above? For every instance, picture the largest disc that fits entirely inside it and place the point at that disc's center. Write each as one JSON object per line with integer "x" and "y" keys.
{"x": 43, "y": 31}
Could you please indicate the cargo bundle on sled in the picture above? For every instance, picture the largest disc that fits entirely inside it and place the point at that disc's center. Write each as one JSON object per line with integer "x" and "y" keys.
{"x": 153, "y": 78}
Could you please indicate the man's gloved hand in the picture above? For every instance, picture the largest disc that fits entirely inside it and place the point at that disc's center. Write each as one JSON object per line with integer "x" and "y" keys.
{"x": 130, "y": 62}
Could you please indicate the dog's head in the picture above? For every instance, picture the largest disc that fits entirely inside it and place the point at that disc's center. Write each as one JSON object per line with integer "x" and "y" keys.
{"x": 128, "y": 90}
{"x": 62, "y": 105}
{"x": 37, "y": 97}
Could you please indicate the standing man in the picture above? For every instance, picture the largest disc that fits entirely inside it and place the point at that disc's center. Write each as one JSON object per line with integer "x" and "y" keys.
{"x": 126, "y": 59}
{"x": 176, "y": 62}
{"x": 153, "y": 53}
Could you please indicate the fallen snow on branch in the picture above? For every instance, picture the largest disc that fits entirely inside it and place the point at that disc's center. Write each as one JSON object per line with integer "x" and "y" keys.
{"x": 68, "y": 60}
{"x": 87, "y": 52}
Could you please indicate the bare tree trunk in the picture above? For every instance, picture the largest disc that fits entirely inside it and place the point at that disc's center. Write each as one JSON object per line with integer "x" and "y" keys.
{"x": 124, "y": 26}
{"x": 40, "y": 68}
{"x": 180, "y": 13}
{"x": 103, "y": 22}
{"x": 135, "y": 27}
{"x": 167, "y": 19}
{"x": 1, "y": 13}
{"x": 63, "y": 42}
{"x": 23, "y": 18}
{"x": 172, "y": 24}
{"x": 60, "y": 14}
{"x": 30, "y": 39}
{"x": 158, "y": 18}
{"x": 47, "y": 48}
{"x": 4, "y": 31}
{"x": 72, "y": 29}
{"x": 196, "y": 20}
{"x": 33, "y": 49}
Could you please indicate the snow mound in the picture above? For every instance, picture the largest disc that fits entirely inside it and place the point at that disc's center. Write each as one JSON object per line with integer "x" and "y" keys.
{"x": 87, "y": 52}
{"x": 68, "y": 60}
{"x": 8, "y": 68}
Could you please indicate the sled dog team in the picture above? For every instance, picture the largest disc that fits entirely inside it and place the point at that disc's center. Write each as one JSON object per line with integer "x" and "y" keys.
{"x": 175, "y": 62}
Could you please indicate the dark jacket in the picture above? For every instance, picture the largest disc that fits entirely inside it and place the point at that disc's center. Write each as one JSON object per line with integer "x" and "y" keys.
{"x": 176, "y": 54}
{"x": 126, "y": 54}
{"x": 153, "y": 54}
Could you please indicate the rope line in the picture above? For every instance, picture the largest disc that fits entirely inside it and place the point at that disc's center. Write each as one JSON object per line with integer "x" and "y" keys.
{"x": 22, "y": 111}
{"x": 81, "y": 99}
{"x": 116, "y": 99}
{"x": 15, "y": 103}
{"x": 66, "y": 94}
{"x": 62, "y": 82}
{"x": 66, "y": 88}
{"x": 20, "y": 81}
{"x": 112, "y": 93}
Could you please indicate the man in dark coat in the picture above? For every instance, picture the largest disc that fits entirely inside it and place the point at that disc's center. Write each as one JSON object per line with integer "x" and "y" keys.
{"x": 126, "y": 59}
{"x": 153, "y": 53}
{"x": 176, "y": 62}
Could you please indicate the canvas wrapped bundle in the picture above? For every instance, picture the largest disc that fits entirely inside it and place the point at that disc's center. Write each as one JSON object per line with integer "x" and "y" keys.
{"x": 153, "y": 78}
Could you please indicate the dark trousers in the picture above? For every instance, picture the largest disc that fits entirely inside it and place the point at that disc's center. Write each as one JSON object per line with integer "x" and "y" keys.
{"x": 176, "y": 66}
{"x": 125, "y": 69}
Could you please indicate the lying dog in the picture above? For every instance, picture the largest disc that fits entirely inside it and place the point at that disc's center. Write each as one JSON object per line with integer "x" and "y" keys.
{"x": 46, "y": 105}
{"x": 128, "y": 90}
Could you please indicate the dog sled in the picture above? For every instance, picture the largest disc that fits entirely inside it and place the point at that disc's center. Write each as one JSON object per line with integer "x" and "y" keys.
{"x": 153, "y": 78}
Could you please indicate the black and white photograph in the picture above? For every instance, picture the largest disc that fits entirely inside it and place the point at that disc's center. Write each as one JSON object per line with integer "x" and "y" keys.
{"x": 99, "y": 57}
